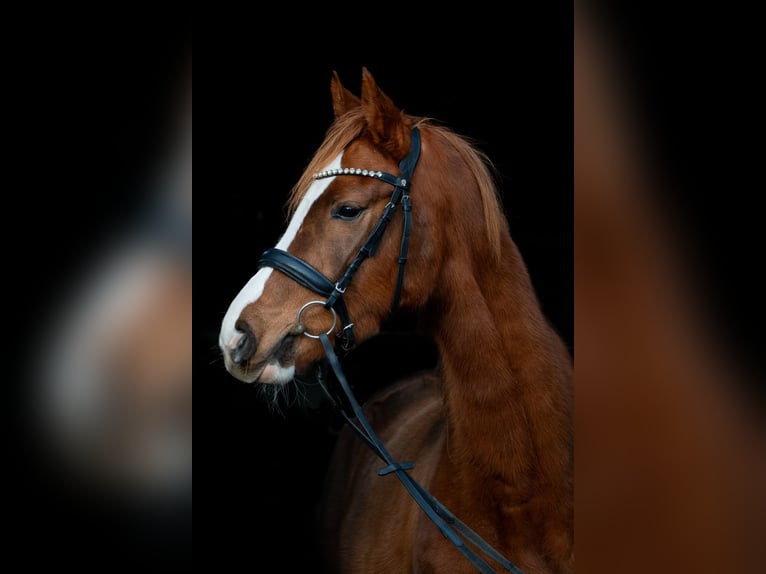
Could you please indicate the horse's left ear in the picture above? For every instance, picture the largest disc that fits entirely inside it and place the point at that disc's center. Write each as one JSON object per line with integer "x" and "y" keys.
{"x": 389, "y": 127}
{"x": 342, "y": 99}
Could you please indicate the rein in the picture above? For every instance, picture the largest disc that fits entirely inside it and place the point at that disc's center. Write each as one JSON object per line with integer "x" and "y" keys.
{"x": 308, "y": 276}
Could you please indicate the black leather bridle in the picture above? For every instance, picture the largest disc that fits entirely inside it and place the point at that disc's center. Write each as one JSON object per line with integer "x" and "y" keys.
{"x": 343, "y": 399}
{"x": 305, "y": 274}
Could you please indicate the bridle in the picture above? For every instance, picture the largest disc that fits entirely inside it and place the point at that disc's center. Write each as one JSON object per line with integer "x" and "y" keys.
{"x": 308, "y": 276}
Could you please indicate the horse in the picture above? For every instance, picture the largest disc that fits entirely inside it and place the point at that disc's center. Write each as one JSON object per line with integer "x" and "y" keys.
{"x": 490, "y": 430}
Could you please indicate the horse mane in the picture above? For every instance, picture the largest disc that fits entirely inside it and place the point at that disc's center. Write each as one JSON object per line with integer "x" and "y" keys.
{"x": 351, "y": 125}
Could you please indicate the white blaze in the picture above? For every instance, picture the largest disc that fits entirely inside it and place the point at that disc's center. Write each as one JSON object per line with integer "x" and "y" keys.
{"x": 254, "y": 288}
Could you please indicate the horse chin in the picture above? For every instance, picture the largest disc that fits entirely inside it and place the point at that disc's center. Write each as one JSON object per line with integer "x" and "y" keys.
{"x": 273, "y": 373}
{"x": 292, "y": 356}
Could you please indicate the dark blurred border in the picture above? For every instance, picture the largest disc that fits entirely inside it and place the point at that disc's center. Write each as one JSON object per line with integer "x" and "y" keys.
{"x": 669, "y": 308}
{"x": 93, "y": 106}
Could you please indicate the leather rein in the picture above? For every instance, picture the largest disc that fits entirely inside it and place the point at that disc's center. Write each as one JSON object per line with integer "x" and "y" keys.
{"x": 343, "y": 398}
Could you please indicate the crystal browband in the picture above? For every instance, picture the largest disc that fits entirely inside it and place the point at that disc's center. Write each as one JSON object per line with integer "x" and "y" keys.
{"x": 387, "y": 177}
{"x": 347, "y": 171}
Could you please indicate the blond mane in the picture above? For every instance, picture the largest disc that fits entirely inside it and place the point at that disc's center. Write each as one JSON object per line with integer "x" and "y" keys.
{"x": 349, "y": 126}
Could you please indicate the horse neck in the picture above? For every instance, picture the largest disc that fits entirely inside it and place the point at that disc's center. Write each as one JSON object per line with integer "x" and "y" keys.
{"x": 507, "y": 374}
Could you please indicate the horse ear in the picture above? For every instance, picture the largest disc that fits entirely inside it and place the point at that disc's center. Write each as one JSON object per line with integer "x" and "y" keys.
{"x": 342, "y": 99}
{"x": 389, "y": 127}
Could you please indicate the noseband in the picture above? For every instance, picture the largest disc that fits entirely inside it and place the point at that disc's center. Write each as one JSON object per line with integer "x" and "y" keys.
{"x": 308, "y": 276}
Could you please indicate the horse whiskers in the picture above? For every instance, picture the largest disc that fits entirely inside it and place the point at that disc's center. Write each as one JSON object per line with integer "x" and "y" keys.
{"x": 301, "y": 385}
{"x": 278, "y": 398}
{"x": 271, "y": 394}
{"x": 217, "y": 355}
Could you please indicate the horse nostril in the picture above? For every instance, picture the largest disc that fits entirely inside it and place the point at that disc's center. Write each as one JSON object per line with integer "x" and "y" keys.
{"x": 246, "y": 345}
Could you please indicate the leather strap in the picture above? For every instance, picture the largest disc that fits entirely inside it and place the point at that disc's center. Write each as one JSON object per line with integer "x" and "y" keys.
{"x": 435, "y": 510}
{"x": 403, "y": 250}
{"x": 407, "y": 167}
{"x": 298, "y": 270}
{"x": 311, "y": 278}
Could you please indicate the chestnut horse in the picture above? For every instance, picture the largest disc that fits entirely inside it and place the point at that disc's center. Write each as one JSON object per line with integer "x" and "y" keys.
{"x": 490, "y": 432}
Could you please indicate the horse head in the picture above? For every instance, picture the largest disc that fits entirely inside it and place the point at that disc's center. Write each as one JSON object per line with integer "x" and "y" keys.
{"x": 332, "y": 219}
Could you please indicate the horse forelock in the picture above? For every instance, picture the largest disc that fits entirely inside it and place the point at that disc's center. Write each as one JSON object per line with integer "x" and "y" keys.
{"x": 352, "y": 124}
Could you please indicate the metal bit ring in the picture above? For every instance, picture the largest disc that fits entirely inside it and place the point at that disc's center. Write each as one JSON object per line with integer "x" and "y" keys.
{"x": 309, "y": 304}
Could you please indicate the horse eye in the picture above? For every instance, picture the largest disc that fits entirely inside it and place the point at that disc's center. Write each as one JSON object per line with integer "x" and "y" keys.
{"x": 348, "y": 212}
